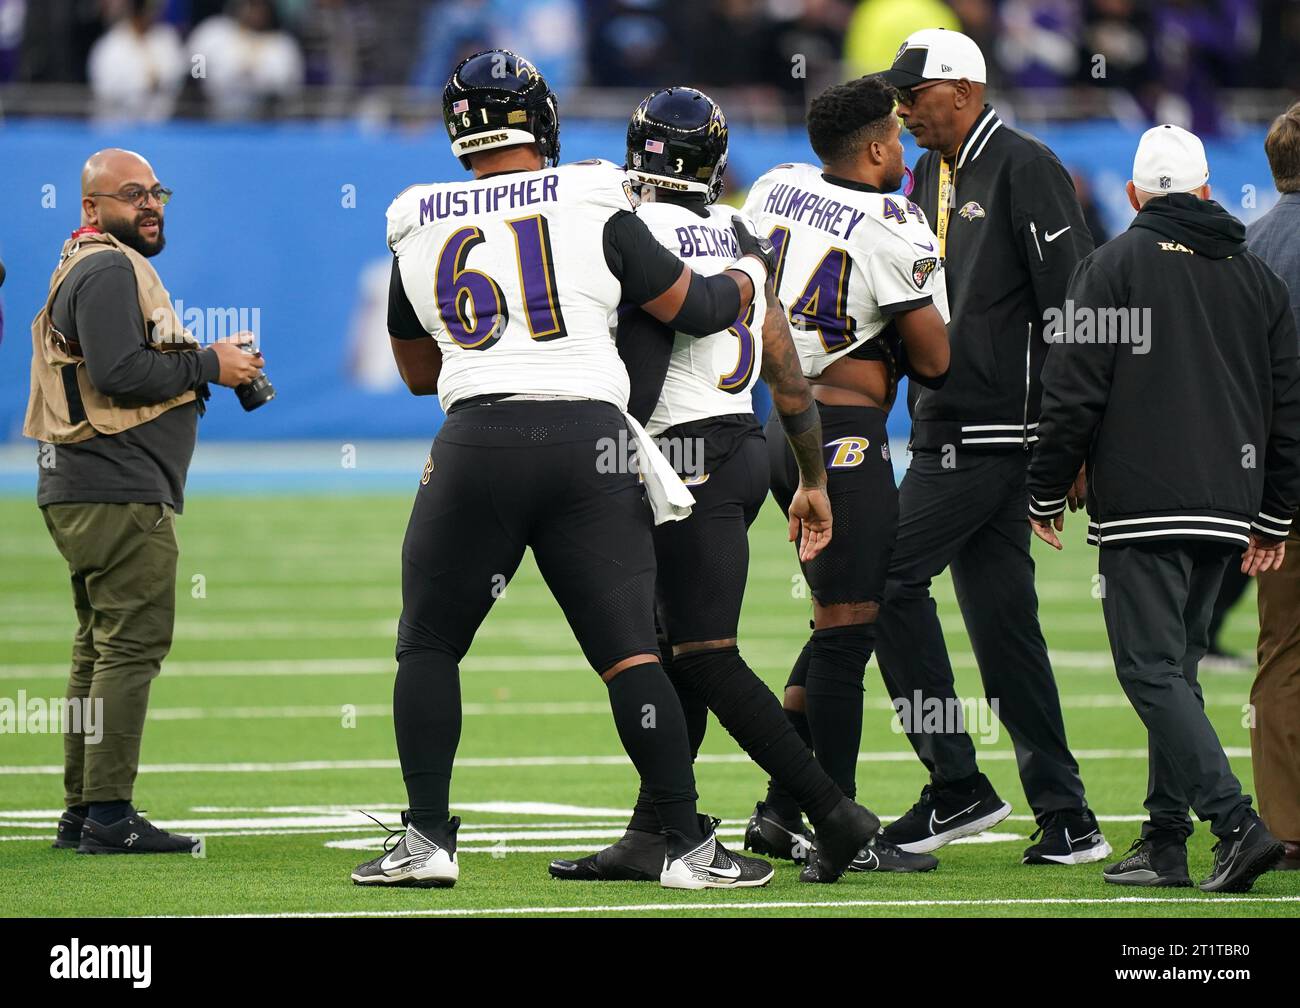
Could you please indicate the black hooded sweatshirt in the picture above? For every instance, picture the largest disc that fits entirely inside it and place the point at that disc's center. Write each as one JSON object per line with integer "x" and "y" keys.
{"x": 1176, "y": 375}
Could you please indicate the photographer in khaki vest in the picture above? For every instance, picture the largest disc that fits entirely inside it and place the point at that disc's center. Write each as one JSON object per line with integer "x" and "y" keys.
{"x": 117, "y": 388}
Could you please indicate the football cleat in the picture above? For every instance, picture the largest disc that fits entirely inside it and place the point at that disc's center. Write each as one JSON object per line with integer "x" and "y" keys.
{"x": 637, "y": 857}
{"x": 706, "y": 864}
{"x": 882, "y": 856}
{"x": 1067, "y": 838}
{"x": 133, "y": 834}
{"x": 770, "y": 835}
{"x": 416, "y": 860}
{"x": 839, "y": 839}
{"x": 1154, "y": 861}
{"x": 941, "y": 816}
{"x": 1241, "y": 857}
{"x": 67, "y": 834}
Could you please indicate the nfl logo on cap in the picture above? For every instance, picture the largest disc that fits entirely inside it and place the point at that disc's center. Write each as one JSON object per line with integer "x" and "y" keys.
{"x": 654, "y": 146}
{"x": 1165, "y": 181}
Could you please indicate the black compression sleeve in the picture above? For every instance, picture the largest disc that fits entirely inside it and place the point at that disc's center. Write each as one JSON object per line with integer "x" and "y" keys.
{"x": 403, "y": 323}
{"x": 646, "y": 346}
{"x": 644, "y": 267}
{"x": 647, "y": 269}
{"x": 712, "y": 304}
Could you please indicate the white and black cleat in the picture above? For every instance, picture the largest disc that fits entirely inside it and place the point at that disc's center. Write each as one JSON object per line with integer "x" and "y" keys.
{"x": 882, "y": 856}
{"x": 773, "y": 836}
{"x": 706, "y": 864}
{"x": 416, "y": 861}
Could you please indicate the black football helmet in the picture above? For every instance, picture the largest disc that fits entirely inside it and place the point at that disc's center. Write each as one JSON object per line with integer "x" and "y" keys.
{"x": 497, "y": 99}
{"x": 677, "y": 140}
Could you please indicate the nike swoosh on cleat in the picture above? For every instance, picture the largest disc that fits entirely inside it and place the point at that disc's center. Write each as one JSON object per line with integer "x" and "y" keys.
{"x": 936, "y": 821}
{"x": 1071, "y": 841}
{"x": 387, "y": 865}
{"x": 1053, "y": 237}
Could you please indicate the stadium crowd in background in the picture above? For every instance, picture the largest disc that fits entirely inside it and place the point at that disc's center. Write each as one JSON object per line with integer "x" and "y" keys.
{"x": 1165, "y": 60}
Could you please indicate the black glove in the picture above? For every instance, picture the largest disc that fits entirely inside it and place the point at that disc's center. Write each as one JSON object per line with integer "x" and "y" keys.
{"x": 752, "y": 244}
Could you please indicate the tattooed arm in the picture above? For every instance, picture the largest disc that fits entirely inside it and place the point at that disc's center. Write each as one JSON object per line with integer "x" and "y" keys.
{"x": 810, "y": 510}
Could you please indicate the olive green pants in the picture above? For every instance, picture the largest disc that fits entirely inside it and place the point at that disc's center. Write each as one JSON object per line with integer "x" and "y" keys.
{"x": 1275, "y": 731}
{"x": 122, "y": 559}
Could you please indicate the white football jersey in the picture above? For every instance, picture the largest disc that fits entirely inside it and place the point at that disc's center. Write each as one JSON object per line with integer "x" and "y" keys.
{"x": 508, "y": 274}
{"x": 711, "y": 375}
{"x": 848, "y": 259}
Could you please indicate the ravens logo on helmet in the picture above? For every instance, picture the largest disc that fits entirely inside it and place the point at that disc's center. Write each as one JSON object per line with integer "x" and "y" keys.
{"x": 677, "y": 140}
{"x": 497, "y": 98}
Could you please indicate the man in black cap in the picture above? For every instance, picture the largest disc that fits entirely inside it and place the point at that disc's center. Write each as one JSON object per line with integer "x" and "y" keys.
{"x": 1009, "y": 231}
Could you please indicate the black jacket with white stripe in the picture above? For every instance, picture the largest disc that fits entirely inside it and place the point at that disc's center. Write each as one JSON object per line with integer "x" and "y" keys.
{"x": 1015, "y": 233}
{"x": 1177, "y": 376}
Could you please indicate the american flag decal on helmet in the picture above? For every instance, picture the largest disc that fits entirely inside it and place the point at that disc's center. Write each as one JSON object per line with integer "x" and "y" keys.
{"x": 654, "y": 146}
{"x": 460, "y": 106}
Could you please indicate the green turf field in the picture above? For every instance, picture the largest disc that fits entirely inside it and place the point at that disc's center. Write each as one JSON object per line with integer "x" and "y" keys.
{"x": 251, "y": 743}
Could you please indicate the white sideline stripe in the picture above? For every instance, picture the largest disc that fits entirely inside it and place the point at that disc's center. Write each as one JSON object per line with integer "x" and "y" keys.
{"x": 486, "y": 663}
{"x": 772, "y": 905}
{"x": 1236, "y": 752}
{"x": 1094, "y": 701}
{"x": 733, "y": 839}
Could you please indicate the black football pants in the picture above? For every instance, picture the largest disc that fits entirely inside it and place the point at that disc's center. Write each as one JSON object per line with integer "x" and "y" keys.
{"x": 973, "y": 518}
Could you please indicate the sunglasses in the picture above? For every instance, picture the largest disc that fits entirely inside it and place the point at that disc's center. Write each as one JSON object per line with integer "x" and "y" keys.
{"x": 907, "y": 95}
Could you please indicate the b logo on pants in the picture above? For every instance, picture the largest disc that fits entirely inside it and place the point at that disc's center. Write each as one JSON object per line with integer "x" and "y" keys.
{"x": 847, "y": 452}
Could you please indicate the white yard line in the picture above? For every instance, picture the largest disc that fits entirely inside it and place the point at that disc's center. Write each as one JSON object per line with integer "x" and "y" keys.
{"x": 780, "y": 905}
{"x": 301, "y": 766}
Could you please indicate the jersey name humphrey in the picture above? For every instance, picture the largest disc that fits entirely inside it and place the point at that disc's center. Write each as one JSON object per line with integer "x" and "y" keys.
{"x": 848, "y": 259}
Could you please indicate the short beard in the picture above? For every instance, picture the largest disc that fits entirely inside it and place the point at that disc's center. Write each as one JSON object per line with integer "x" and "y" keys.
{"x": 129, "y": 235}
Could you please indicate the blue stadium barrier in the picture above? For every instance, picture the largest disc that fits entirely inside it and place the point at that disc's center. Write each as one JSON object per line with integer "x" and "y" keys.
{"x": 284, "y": 224}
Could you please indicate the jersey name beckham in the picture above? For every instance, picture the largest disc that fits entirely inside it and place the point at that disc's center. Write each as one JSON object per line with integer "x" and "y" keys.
{"x": 509, "y": 276}
{"x": 711, "y": 375}
{"x": 848, "y": 260}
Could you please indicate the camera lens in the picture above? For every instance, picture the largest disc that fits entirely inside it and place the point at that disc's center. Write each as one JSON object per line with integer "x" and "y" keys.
{"x": 256, "y": 393}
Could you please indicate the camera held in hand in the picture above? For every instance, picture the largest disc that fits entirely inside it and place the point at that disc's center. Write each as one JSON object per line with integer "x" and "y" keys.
{"x": 259, "y": 391}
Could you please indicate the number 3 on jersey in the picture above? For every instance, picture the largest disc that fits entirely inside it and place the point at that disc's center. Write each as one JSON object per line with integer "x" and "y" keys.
{"x": 737, "y": 379}
{"x": 823, "y": 303}
{"x": 462, "y": 292}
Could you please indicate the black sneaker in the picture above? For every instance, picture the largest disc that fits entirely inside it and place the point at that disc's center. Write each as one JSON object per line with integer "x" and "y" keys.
{"x": 68, "y": 833}
{"x": 1068, "y": 838}
{"x": 706, "y": 864}
{"x": 637, "y": 857}
{"x": 941, "y": 816}
{"x": 1151, "y": 861}
{"x": 773, "y": 836}
{"x": 133, "y": 834}
{"x": 882, "y": 856}
{"x": 416, "y": 861}
{"x": 1242, "y": 856}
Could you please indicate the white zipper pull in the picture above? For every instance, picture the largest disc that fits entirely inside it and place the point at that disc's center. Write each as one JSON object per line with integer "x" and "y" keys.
{"x": 1034, "y": 231}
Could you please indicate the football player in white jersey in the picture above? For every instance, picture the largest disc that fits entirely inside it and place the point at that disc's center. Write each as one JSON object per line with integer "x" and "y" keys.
{"x": 694, "y": 396}
{"x": 502, "y": 291}
{"x": 862, "y": 280}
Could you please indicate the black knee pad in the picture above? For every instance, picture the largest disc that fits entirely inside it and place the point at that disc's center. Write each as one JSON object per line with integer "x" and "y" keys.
{"x": 839, "y": 659}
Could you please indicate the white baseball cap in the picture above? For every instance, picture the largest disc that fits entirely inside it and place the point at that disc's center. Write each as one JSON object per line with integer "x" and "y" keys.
{"x": 1169, "y": 160}
{"x": 936, "y": 54}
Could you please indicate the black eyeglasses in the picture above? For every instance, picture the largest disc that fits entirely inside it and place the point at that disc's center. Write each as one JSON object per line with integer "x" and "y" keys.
{"x": 138, "y": 196}
{"x": 907, "y": 95}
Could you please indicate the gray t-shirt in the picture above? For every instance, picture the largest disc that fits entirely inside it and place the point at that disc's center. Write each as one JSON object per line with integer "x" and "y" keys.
{"x": 98, "y": 305}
